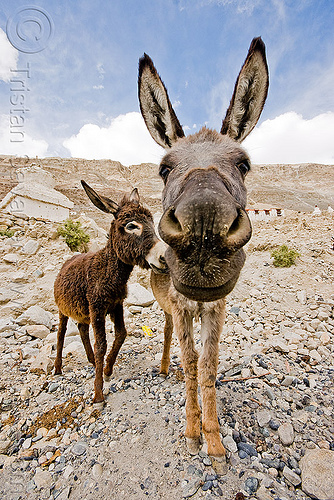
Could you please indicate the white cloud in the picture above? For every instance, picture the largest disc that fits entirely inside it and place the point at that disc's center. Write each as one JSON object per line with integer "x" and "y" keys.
{"x": 125, "y": 140}
{"x": 8, "y": 57}
{"x": 29, "y": 146}
{"x": 289, "y": 138}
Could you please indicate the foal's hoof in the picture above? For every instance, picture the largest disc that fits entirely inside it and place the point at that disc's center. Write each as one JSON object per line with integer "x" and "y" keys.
{"x": 193, "y": 445}
{"x": 107, "y": 378}
{"x": 98, "y": 406}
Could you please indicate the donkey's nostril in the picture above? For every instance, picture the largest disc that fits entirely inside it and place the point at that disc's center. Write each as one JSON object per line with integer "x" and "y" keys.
{"x": 169, "y": 226}
{"x": 240, "y": 230}
{"x": 162, "y": 259}
{"x": 235, "y": 225}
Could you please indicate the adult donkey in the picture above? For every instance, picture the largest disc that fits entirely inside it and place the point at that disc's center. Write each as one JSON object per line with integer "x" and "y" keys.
{"x": 205, "y": 226}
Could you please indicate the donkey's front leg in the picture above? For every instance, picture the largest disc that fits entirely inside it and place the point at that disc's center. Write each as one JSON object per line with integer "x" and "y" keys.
{"x": 100, "y": 347}
{"x": 183, "y": 323}
{"x": 212, "y": 324}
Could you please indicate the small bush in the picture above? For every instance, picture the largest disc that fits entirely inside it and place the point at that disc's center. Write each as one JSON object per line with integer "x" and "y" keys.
{"x": 284, "y": 257}
{"x": 75, "y": 237}
{"x": 7, "y": 232}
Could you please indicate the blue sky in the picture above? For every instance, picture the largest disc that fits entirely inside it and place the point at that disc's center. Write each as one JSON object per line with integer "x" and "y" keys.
{"x": 83, "y": 86}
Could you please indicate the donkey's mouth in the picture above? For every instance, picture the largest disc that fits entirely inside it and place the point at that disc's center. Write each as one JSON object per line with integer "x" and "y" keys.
{"x": 201, "y": 294}
{"x": 207, "y": 285}
{"x": 159, "y": 270}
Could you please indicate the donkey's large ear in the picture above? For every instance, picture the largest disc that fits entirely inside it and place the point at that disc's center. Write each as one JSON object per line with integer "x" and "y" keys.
{"x": 250, "y": 93}
{"x": 101, "y": 202}
{"x": 134, "y": 196}
{"x": 155, "y": 106}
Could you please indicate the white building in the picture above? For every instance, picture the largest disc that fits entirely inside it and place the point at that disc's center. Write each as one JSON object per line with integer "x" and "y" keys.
{"x": 36, "y": 197}
{"x": 264, "y": 212}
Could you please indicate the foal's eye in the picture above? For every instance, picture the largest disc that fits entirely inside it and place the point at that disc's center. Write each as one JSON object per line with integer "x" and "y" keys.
{"x": 131, "y": 226}
{"x": 244, "y": 167}
{"x": 164, "y": 172}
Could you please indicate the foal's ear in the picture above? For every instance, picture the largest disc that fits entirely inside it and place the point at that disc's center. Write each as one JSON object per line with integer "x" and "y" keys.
{"x": 250, "y": 93}
{"x": 155, "y": 106}
{"x": 101, "y": 202}
{"x": 134, "y": 196}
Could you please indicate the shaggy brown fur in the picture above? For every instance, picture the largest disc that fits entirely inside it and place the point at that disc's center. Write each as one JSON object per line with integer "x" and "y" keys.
{"x": 90, "y": 286}
{"x": 205, "y": 226}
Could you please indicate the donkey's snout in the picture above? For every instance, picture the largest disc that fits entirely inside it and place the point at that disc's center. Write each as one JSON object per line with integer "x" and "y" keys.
{"x": 156, "y": 258}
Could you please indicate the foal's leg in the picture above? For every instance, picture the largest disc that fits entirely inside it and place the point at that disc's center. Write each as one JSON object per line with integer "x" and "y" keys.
{"x": 60, "y": 342}
{"x": 84, "y": 334}
{"x": 100, "y": 347}
{"x": 168, "y": 331}
{"x": 120, "y": 336}
{"x": 212, "y": 325}
{"x": 183, "y": 323}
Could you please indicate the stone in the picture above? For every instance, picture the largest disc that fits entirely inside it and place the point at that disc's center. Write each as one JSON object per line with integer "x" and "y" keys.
{"x": 42, "y": 362}
{"x": 301, "y": 296}
{"x": 230, "y": 444}
{"x": 280, "y": 346}
{"x": 37, "y": 331}
{"x": 30, "y": 247}
{"x": 247, "y": 448}
{"x": 139, "y": 296}
{"x": 97, "y": 470}
{"x": 291, "y": 476}
{"x": 251, "y": 485}
{"x": 26, "y": 443}
{"x": 317, "y": 472}
{"x": 79, "y": 448}
{"x": 35, "y": 315}
{"x": 288, "y": 380}
{"x": 24, "y": 393}
{"x": 42, "y": 478}
{"x": 315, "y": 355}
{"x": 11, "y": 258}
{"x": 53, "y": 387}
{"x": 263, "y": 417}
{"x": 191, "y": 488}
{"x": 286, "y": 433}
{"x": 4, "y": 445}
{"x": 74, "y": 347}
{"x": 263, "y": 494}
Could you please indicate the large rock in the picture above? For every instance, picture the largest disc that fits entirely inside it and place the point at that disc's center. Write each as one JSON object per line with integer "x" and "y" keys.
{"x": 35, "y": 315}
{"x": 317, "y": 468}
{"x": 37, "y": 331}
{"x": 42, "y": 362}
{"x": 139, "y": 296}
{"x": 30, "y": 247}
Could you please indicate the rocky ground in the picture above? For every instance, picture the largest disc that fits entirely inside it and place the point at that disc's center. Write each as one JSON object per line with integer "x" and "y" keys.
{"x": 274, "y": 386}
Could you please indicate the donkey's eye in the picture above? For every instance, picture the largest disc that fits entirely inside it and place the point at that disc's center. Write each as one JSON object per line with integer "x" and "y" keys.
{"x": 244, "y": 167}
{"x": 133, "y": 227}
{"x": 164, "y": 172}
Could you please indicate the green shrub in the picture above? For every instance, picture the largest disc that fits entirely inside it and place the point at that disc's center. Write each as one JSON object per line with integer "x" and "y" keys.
{"x": 284, "y": 257}
{"x": 7, "y": 232}
{"x": 75, "y": 237}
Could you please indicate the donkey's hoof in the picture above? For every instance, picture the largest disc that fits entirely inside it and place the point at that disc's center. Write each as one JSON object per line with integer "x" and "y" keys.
{"x": 107, "y": 378}
{"x": 98, "y": 406}
{"x": 219, "y": 465}
{"x": 193, "y": 445}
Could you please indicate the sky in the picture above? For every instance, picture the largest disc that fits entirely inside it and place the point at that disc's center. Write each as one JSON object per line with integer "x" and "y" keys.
{"x": 68, "y": 74}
